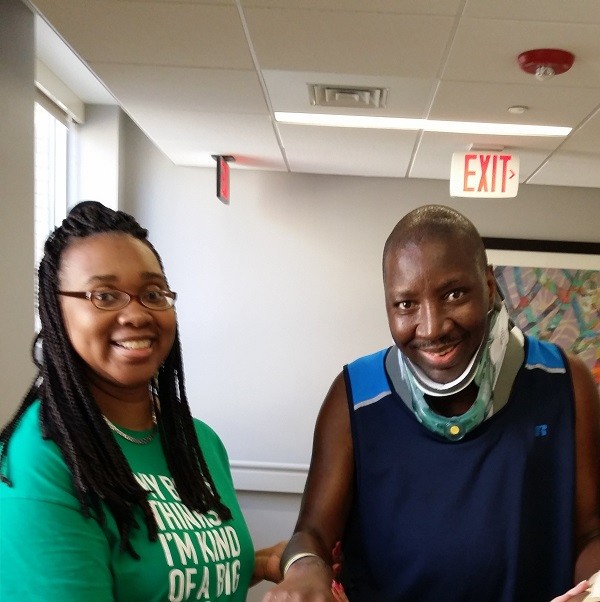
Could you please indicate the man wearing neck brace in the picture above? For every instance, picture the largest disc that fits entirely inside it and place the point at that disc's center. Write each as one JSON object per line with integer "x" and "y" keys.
{"x": 463, "y": 462}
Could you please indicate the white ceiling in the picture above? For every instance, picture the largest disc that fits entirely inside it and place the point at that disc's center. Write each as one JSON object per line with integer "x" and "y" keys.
{"x": 202, "y": 78}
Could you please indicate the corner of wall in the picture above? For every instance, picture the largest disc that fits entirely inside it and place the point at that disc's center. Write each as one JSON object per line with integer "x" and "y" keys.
{"x": 17, "y": 68}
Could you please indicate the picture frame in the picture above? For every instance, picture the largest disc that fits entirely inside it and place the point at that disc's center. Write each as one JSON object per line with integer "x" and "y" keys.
{"x": 552, "y": 291}
{"x": 543, "y": 253}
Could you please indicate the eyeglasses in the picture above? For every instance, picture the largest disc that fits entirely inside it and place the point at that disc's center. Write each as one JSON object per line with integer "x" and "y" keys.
{"x": 113, "y": 299}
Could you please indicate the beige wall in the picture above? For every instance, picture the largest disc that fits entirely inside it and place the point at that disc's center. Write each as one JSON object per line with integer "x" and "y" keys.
{"x": 16, "y": 201}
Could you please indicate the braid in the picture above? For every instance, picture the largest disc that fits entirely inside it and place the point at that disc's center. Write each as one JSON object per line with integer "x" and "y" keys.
{"x": 180, "y": 442}
{"x": 71, "y": 418}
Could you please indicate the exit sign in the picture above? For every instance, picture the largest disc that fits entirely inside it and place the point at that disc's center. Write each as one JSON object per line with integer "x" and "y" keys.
{"x": 223, "y": 180}
{"x": 484, "y": 174}
{"x": 223, "y": 177}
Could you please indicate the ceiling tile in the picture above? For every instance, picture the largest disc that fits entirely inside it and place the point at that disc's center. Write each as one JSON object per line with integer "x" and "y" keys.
{"x": 158, "y": 33}
{"x": 541, "y": 11}
{"x": 481, "y": 101}
{"x": 585, "y": 139}
{"x": 487, "y": 50}
{"x": 349, "y": 43}
{"x": 405, "y": 7}
{"x": 347, "y": 151}
{"x": 190, "y": 138}
{"x": 233, "y": 91}
{"x": 570, "y": 169}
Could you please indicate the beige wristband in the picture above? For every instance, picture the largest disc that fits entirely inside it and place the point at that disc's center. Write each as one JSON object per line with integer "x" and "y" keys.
{"x": 295, "y": 557}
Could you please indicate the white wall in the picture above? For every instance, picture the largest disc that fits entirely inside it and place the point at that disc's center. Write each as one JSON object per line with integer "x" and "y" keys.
{"x": 16, "y": 202}
{"x": 282, "y": 287}
{"x": 271, "y": 518}
{"x": 98, "y": 155}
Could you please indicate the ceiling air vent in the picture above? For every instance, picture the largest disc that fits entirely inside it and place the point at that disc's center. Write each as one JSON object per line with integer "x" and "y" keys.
{"x": 355, "y": 97}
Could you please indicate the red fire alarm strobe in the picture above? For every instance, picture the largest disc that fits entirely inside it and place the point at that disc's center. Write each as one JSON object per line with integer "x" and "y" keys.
{"x": 223, "y": 177}
{"x": 546, "y": 62}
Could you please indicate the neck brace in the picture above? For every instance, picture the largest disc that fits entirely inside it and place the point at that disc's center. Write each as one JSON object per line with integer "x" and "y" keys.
{"x": 430, "y": 387}
{"x": 483, "y": 368}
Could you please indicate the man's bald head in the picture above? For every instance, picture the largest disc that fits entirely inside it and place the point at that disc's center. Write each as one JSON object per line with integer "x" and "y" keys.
{"x": 436, "y": 222}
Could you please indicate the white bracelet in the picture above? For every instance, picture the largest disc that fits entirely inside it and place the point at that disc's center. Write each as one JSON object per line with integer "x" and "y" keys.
{"x": 295, "y": 557}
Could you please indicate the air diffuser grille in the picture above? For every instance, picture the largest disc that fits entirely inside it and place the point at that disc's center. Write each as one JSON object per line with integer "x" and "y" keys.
{"x": 322, "y": 95}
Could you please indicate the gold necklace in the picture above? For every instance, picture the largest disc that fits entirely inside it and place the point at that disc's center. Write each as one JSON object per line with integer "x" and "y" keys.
{"x": 143, "y": 440}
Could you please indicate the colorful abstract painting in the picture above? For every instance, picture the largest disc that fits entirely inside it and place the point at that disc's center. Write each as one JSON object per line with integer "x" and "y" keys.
{"x": 558, "y": 305}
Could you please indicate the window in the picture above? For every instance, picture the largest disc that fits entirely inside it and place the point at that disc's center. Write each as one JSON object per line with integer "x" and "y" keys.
{"x": 52, "y": 135}
{"x": 51, "y": 139}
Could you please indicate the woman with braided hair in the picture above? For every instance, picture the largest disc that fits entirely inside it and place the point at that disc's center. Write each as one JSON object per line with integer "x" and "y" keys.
{"x": 110, "y": 489}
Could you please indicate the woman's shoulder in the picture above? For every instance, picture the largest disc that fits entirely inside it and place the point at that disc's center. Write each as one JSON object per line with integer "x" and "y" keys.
{"x": 34, "y": 465}
{"x": 27, "y": 436}
{"x": 210, "y": 441}
{"x": 205, "y": 431}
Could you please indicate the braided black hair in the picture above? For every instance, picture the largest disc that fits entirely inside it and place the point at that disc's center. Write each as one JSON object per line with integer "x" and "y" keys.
{"x": 71, "y": 418}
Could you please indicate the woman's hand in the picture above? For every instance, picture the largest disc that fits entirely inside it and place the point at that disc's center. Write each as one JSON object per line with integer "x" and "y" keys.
{"x": 339, "y": 595}
{"x": 266, "y": 564}
{"x": 579, "y": 592}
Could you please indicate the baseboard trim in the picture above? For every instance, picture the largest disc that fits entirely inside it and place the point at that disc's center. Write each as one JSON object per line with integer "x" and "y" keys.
{"x": 269, "y": 476}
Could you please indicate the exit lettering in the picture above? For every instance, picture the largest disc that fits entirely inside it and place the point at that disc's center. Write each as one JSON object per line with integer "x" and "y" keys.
{"x": 487, "y": 179}
{"x": 484, "y": 174}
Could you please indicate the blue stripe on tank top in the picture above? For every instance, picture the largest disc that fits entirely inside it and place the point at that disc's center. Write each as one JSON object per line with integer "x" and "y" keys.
{"x": 366, "y": 391}
{"x": 544, "y": 356}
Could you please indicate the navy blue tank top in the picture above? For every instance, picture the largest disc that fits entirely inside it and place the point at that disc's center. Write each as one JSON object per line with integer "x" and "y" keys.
{"x": 488, "y": 518}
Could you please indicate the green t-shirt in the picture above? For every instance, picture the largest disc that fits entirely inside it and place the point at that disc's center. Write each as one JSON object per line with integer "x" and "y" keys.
{"x": 49, "y": 551}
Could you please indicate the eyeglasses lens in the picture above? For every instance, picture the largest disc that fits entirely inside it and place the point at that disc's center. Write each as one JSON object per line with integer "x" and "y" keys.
{"x": 114, "y": 299}
{"x": 156, "y": 300}
{"x": 109, "y": 299}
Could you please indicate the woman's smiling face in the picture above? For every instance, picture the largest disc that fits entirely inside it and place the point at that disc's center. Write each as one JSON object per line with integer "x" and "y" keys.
{"x": 122, "y": 348}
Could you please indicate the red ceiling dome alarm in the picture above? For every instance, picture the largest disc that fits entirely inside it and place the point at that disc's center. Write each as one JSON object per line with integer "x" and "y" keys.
{"x": 544, "y": 63}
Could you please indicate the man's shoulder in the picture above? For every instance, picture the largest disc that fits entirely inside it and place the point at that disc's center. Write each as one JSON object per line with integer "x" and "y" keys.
{"x": 368, "y": 378}
{"x": 371, "y": 359}
{"x": 544, "y": 355}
